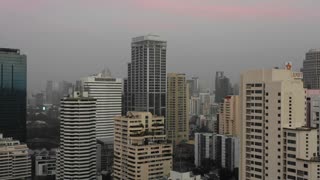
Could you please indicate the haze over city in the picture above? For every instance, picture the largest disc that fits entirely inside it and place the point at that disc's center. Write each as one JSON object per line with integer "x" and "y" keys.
{"x": 67, "y": 40}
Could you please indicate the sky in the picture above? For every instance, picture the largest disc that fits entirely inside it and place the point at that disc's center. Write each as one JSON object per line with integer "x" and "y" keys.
{"x": 71, "y": 39}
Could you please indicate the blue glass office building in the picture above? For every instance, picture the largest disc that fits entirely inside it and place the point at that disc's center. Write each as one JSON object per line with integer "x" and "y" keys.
{"x": 13, "y": 88}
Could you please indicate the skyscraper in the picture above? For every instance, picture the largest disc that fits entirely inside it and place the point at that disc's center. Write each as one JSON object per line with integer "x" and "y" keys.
{"x": 13, "y": 96}
{"x": 77, "y": 154}
{"x": 311, "y": 69}
{"x": 222, "y": 86}
{"x": 145, "y": 88}
{"x": 177, "y": 118}
{"x": 193, "y": 86}
{"x": 15, "y": 162}
{"x": 229, "y": 116}
{"x": 195, "y": 105}
{"x": 272, "y": 108}
{"x": 107, "y": 91}
{"x": 141, "y": 150}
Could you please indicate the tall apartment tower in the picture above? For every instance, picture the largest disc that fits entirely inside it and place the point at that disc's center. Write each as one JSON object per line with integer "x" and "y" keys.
{"x": 271, "y": 100}
{"x": 77, "y": 154}
{"x": 222, "y": 87}
{"x": 15, "y": 162}
{"x": 145, "y": 88}
{"x": 13, "y": 96}
{"x": 229, "y": 116}
{"x": 141, "y": 150}
{"x": 311, "y": 67}
{"x": 177, "y": 118}
{"x": 108, "y": 93}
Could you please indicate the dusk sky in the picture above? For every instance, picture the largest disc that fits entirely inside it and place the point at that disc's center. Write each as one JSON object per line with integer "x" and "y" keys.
{"x": 70, "y": 39}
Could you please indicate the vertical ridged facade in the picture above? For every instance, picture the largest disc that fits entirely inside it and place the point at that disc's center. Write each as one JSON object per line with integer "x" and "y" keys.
{"x": 145, "y": 89}
{"x": 77, "y": 153}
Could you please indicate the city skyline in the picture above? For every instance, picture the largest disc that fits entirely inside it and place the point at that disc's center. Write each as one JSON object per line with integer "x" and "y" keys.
{"x": 149, "y": 89}
{"x": 287, "y": 30}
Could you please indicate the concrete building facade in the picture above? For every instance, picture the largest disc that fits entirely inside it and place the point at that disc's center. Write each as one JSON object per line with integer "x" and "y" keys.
{"x": 77, "y": 153}
{"x": 177, "y": 118}
{"x": 15, "y": 162}
{"x": 271, "y": 100}
{"x": 141, "y": 149}
{"x": 108, "y": 93}
{"x": 229, "y": 116}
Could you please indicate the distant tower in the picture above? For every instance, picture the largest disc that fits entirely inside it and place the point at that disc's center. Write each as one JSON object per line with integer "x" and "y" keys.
{"x": 77, "y": 154}
{"x": 177, "y": 119}
{"x": 222, "y": 86}
{"x": 311, "y": 69}
{"x": 145, "y": 87}
{"x": 13, "y": 93}
{"x": 108, "y": 93}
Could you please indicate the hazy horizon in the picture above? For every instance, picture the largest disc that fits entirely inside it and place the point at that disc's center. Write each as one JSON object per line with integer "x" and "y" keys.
{"x": 67, "y": 40}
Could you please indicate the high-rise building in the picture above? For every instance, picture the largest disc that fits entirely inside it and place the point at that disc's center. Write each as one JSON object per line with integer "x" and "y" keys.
{"x": 77, "y": 154}
{"x": 273, "y": 103}
{"x": 300, "y": 153}
{"x": 313, "y": 111}
{"x": 226, "y": 151}
{"x": 193, "y": 86}
{"x": 229, "y": 116}
{"x": 195, "y": 105}
{"x": 105, "y": 155}
{"x": 141, "y": 150}
{"x": 203, "y": 148}
{"x": 13, "y": 96}
{"x": 222, "y": 87}
{"x": 177, "y": 118}
{"x": 15, "y": 162}
{"x": 205, "y": 103}
{"x": 145, "y": 89}
{"x": 311, "y": 73}
{"x": 108, "y": 93}
{"x": 49, "y": 92}
{"x": 223, "y": 150}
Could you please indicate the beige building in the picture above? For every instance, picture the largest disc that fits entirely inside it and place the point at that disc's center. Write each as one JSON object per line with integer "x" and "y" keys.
{"x": 177, "y": 118}
{"x": 300, "y": 152}
{"x": 141, "y": 150}
{"x": 15, "y": 162}
{"x": 272, "y": 101}
{"x": 229, "y": 116}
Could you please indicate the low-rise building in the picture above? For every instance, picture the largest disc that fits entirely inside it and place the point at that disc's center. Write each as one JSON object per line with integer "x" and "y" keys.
{"x": 141, "y": 149}
{"x": 174, "y": 175}
{"x": 15, "y": 162}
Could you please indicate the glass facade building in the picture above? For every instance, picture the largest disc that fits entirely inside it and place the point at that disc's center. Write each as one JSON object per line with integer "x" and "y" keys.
{"x": 13, "y": 85}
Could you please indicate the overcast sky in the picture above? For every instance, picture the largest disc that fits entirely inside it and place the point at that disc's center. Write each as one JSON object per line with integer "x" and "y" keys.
{"x": 69, "y": 39}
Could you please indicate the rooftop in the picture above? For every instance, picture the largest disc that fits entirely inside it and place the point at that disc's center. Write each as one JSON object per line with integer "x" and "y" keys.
{"x": 149, "y": 37}
{"x": 314, "y": 50}
{"x": 9, "y": 50}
